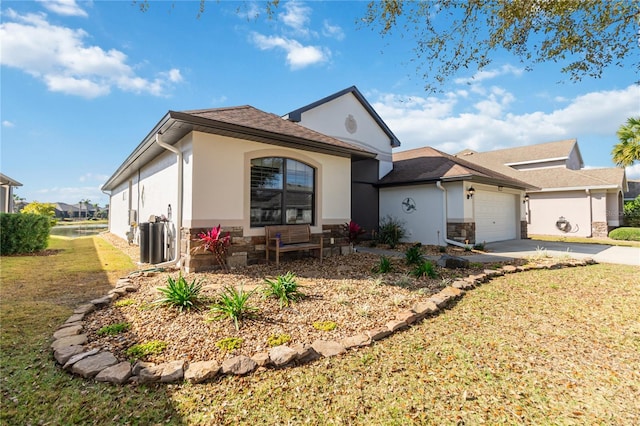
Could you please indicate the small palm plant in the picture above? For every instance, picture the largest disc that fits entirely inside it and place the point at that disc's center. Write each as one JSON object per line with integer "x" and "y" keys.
{"x": 285, "y": 288}
{"x": 180, "y": 293}
{"x": 383, "y": 266}
{"x": 233, "y": 304}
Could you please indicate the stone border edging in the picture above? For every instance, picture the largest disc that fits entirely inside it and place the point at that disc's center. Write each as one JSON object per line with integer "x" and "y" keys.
{"x": 70, "y": 352}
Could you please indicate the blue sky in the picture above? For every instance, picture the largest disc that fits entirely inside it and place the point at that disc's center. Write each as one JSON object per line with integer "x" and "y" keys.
{"x": 82, "y": 84}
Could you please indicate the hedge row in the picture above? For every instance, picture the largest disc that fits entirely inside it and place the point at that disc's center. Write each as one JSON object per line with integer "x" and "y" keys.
{"x": 626, "y": 234}
{"x": 23, "y": 233}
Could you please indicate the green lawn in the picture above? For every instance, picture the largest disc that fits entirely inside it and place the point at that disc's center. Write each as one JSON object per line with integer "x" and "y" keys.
{"x": 541, "y": 347}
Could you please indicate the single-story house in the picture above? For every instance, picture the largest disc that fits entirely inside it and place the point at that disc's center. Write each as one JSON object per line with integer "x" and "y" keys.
{"x": 447, "y": 200}
{"x": 239, "y": 167}
{"x": 323, "y": 164}
{"x": 75, "y": 211}
{"x": 6, "y": 193}
{"x": 570, "y": 200}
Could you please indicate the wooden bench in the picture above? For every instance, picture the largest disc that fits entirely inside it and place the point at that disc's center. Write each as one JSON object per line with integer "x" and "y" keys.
{"x": 286, "y": 238}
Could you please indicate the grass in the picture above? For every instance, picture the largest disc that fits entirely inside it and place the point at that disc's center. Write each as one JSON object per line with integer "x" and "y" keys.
{"x": 605, "y": 241}
{"x": 540, "y": 347}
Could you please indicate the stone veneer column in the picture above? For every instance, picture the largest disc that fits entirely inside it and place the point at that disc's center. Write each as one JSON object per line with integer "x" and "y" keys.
{"x": 599, "y": 229}
{"x": 524, "y": 230}
{"x": 464, "y": 232}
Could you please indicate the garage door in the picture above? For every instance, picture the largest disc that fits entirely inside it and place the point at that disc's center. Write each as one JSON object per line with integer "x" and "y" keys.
{"x": 495, "y": 214}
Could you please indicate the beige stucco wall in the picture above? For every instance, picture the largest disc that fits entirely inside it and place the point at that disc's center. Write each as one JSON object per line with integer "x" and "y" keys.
{"x": 330, "y": 118}
{"x": 614, "y": 213}
{"x": 220, "y": 178}
{"x": 545, "y": 208}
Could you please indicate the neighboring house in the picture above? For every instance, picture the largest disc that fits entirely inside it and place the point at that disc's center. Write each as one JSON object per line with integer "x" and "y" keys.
{"x": 6, "y": 193}
{"x": 239, "y": 167}
{"x": 570, "y": 200}
{"x": 634, "y": 190}
{"x": 443, "y": 199}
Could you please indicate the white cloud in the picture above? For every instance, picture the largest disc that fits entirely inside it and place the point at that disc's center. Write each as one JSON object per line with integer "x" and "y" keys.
{"x": 633, "y": 171}
{"x": 60, "y": 58}
{"x": 490, "y": 74}
{"x": 93, "y": 177}
{"x": 64, "y": 7}
{"x": 7, "y": 123}
{"x": 298, "y": 56}
{"x": 332, "y": 31}
{"x": 69, "y": 195}
{"x": 297, "y": 17}
{"x": 434, "y": 121}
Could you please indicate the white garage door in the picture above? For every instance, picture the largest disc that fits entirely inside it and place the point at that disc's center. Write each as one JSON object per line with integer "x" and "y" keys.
{"x": 495, "y": 214}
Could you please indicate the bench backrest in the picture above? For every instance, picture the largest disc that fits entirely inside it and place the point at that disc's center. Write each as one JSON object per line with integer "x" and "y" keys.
{"x": 289, "y": 234}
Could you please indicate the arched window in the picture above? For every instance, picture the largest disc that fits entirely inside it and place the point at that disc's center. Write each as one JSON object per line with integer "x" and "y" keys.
{"x": 282, "y": 192}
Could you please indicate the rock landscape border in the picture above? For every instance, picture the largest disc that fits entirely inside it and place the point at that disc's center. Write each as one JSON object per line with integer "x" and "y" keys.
{"x": 70, "y": 352}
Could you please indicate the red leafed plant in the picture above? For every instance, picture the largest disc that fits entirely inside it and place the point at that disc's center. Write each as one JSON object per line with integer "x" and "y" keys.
{"x": 353, "y": 231}
{"x": 217, "y": 244}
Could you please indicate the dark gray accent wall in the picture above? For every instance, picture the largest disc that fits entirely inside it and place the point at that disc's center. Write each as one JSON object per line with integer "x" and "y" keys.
{"x": 364, "y": 194}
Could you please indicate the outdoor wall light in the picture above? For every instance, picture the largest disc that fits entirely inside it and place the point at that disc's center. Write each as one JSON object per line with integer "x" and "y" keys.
{"x": 470, "y": 192}
{"x": 526, "y": 198}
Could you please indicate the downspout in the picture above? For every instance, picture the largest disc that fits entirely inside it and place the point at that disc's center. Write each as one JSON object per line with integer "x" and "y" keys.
{"x": 444, "y": 217}
{"x": 177, "y": 259}
{"x": 588, "y": 191}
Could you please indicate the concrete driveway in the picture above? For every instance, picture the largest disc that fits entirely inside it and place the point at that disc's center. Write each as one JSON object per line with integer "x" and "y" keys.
{"x": 599, "y": 252}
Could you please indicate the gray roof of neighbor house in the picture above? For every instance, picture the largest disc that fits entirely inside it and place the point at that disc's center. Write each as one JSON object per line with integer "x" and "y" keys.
{"x": 6, "y": 180}
{"x": 634, "y": 190}
{"x": 524, "y": 154}
{"x": 296, "y": 115}
{"x": 428, "y": 165}
{"x": 242, "y": 122}
{"x": 551, "y": 178}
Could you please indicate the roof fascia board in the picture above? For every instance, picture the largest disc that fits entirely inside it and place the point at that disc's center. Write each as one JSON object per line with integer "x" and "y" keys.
{"x": 543, "y": 160}
{"x": 578, "y": 188}
{"x": 296, "y": 115}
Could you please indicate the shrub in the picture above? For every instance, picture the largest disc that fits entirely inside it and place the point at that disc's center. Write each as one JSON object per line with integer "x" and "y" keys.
{"x": 631, "y": 211}
{"x": 479, "y": 246}
{"x": 142, "y": 350}
{"x": 43, "y": 209}
{"x": 229, "y": 344}
{"x": 425, "y": 269}
{"x": 278, "y": 339}
{"x": 23, "y": 233}
{"x": 180, "y": 294}
{"x": 626, "y": 234}
{"x": 285, "y": 288}
{"x": 391, "y": 231}
{"x": 233, "y": 304}
{"x": 383, "y": 267}
{"x": 413, "y": 255}
{"x": 324, "y": 325}
{"x": 214, "y": 242}
{"x": 353, "y": 231}
{"x": 113, "y": 329}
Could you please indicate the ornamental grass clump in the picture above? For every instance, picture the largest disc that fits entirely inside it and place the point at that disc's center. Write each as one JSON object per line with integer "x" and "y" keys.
{"x": 424, "y": 269}
{"x": 285, "y": 288}
{"x": 181, "y": 294}
{"x": 213, "y": 241}
{"x": 383, "y": 267}
{"x": 233, "y": 303}
{"x": 391, "y": 231}
{"x": 413, "y": 255}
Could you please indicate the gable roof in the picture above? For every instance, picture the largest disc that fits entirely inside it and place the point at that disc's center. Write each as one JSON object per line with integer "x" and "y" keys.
{"x": 242, "y": 122}
{"x": 559, "y": 150}
{"x": 7, "y": 181}
{"x": 428, "y": 165}
{"x": 296, "y": 115}
{"x": 548, "y": 179}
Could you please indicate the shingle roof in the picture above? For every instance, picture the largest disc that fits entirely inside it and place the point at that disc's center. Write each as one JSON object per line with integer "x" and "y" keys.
{"x": 429, "y": 165}
{"x": 249, "y": 117}
{"x": 634, "y": 190}
{"x": 546, "y": 178}
{"x": 543, "y": 151}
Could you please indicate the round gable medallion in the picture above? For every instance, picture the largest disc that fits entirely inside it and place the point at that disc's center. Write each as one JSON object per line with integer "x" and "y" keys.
{"x": 350, "y": 124}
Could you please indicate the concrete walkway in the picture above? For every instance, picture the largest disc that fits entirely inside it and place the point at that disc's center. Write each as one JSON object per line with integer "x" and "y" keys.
{"x": 504, "y": 251}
